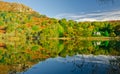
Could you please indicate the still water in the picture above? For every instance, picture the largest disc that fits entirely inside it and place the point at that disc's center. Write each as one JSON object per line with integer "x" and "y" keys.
{"x": 78, "y": 64}
{"x": 60, "y": 57}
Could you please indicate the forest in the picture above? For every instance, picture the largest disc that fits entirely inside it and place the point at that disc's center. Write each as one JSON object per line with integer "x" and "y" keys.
{"x": 32, "y": 25}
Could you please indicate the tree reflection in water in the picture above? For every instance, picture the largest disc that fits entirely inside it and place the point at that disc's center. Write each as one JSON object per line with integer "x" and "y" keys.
{"x": 115, "y": 66}
{"x": 17, "y": 57}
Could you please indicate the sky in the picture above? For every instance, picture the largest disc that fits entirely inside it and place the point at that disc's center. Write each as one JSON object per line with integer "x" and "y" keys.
{"x": 78, "y": 10}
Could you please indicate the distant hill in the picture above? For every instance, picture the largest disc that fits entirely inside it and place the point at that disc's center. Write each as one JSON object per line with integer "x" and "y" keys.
{"x": 6, "y": 6}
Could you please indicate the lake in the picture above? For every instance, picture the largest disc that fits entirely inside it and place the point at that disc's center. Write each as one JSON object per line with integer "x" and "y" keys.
{"x": 56, "y": 56}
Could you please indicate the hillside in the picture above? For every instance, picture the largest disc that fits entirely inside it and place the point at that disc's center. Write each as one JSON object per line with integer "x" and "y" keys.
{"x": 18, "y": 19}
{"x": 14, "y": 17}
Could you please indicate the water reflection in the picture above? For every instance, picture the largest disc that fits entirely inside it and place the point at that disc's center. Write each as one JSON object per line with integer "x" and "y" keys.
{"x": 79, "y": 64}
{"x": 17, "y": 56}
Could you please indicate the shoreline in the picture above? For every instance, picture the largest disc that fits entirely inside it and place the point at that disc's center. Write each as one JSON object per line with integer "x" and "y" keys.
{"x": 88, "y": 38}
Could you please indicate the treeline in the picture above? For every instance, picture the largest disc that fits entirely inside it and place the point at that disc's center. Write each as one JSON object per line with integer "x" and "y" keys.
{"x": 105, "y": 28}
{"x": 70, "y": 28}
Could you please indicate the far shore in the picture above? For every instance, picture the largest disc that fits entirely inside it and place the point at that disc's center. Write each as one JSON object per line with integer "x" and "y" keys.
{"x": 88, "y": 38}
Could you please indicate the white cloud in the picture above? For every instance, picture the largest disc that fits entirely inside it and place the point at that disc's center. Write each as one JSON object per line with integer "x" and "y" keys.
{"x": 86, "y": 19}
{"x": 93, "y": 16}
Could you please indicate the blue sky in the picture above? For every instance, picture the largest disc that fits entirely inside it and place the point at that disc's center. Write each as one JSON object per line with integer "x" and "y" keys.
{"x": 68, "y": 8}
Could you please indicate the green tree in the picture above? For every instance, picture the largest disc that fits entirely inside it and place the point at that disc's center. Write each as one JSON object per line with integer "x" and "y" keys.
{"x": 117, "y": 30}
